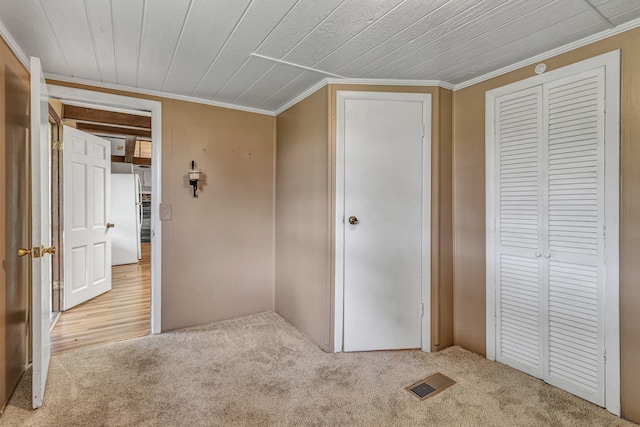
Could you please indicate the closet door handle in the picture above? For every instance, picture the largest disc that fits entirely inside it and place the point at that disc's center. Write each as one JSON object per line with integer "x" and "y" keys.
{"x": 537, "y": 254}
{"x": 547, "y": 255}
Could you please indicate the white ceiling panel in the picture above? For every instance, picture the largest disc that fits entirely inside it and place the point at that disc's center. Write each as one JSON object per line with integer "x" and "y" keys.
{"x": 127, "y": 28}
{"x": 77, "y": 44}
{"x": 406, "y": 37}
{"x": 435, "y": 31}
{"x": 446, "y": 51}
{"x": 292, "y": 89}
{"x": 209, "y": 25}
{"x": 346, "y": 22}
{"x": 558, "y": 34}
{"x": 101, "y": 28}
{"x": 398, "y": 19}
{"x": 253, "y": 28}
{"x": 277, "y": 77}
{"x": 303, "y": 18}
{"x": 246, "y": 76}
{"x": 202, "y": 48}
{"x": 163, "y": 23}
{"x": 27, "y": 23}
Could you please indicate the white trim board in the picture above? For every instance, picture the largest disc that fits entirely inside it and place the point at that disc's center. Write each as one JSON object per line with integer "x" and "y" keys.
{"x": 373, "y": 82}
{"x": 338, "y": 218}
{"x": 611, "y": 61}
{"x": 15, "y": 48}
{"x": 157, "y": 93}
{"x": 110, "y": 101}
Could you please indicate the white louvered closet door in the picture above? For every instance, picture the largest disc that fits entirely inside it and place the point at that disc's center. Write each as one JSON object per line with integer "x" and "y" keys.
{"x": 549, "y": 206}
{"x": 574, "y": 242}
{"x": 518, "y": 136}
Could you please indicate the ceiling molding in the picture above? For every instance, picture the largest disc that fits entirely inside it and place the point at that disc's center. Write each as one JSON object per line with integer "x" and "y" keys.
{"x": 15, "y": 48}
{"x": 302, "y": 95}
{"x": 393, "y": 82}
{"x": 372, "y": 82}
{"x": 551, "y": 53}
{"x": 78, "y": 81}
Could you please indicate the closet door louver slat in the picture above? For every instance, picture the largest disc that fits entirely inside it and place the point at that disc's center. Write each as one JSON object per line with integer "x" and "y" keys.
{"x": 518, "y": 315}
{"x": 574, "y": 134}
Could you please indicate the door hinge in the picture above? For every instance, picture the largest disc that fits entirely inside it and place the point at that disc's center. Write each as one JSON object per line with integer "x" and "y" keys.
{"x": 423, "y": 130}
{"x": 604, "y": 357}
{"x": 421, "y": 309}
{"x": 57, "y": 285}
{"x": 57, "y": 145}
{"x": 604, "y": 231}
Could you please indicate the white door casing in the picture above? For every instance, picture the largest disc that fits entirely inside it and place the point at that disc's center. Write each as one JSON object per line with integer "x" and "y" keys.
{"x": 40, "y": 231}
{"x": 383, "y": 179}
{"x": 119, "y": 103}
{"x": 87, "y": 241}
{"x": 567, "y": 226}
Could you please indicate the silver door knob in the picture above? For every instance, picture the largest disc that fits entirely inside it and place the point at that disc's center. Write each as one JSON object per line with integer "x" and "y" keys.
{"x": 353, "y": 220}
{"x": 537, "y": 254}
{"x": 547, "y": 255}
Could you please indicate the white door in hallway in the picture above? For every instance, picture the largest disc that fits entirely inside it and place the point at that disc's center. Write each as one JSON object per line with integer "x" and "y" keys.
{"x": 384, "y": 138}
{"x": 40, "y": 232}
{"x": 87, "y": 201}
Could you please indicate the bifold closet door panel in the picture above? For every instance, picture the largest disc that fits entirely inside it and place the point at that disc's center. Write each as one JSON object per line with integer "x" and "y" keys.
{"x": 518, "y": 226}
{"x": 574, "y": 221}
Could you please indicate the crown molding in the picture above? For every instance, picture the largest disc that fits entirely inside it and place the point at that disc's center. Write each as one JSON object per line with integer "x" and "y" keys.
{"x": 302, "y": 95}
{"x": 157, "y": 93}
{"x": 15, "y": 48}
{"x": 551, "y": 53}
{"x": 372, "y": 82}
{"x": 392, "y": 82}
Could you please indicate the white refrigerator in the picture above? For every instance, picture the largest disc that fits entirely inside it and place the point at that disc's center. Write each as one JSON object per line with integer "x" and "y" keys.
{"x": 126, "y": 214}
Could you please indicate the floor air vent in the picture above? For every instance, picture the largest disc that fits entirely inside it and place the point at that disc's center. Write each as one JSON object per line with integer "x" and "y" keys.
{"x": 430, "y": 386}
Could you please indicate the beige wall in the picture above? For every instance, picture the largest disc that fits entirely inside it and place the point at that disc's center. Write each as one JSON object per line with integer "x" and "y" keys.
{"x": 469, "y": 208}
{"x": 305, "y": 189}
{"x": 217, "y": 250}
{"x": 302, "y": 291}
{"x": 14, "y": 221}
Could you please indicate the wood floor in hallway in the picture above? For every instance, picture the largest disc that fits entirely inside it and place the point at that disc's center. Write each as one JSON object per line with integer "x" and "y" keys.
{"x": 122, "y": 313}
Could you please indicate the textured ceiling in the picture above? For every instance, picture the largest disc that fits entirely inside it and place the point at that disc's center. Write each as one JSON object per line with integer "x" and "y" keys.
{"x": 203, "y": 48}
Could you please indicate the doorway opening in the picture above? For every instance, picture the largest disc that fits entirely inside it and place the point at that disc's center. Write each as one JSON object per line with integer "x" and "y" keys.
{"x": 129, "y": 131}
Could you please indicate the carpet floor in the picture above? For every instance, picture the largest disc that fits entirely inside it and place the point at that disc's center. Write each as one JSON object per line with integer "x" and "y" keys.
{"x": 261, "y": 371}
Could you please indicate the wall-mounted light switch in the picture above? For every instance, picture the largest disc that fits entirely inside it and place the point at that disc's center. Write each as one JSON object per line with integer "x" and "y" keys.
{"x": 165, "y": 212}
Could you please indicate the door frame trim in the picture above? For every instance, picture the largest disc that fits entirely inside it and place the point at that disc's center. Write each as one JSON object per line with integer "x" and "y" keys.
{"x": 107, "y": 101}
{"x": 426, "y": 99}
{"x": 611, "y": 62}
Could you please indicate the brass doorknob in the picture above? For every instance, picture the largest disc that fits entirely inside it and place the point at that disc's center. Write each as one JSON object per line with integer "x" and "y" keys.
{"x": 110, "y": 225}
{"x": 24, "y": 252}
{"x": 50, "y": 251}
{"x": 353, "y": 220}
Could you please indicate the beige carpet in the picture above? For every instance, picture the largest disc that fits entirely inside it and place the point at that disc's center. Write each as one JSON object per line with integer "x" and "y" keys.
{"x": 259, "y": 370}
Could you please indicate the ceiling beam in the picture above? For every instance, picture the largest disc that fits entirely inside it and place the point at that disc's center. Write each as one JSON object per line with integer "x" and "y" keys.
{"x": 136, "y": 160}
{"x": 72, "y": 112}
{"x": 129, "y": 149}
{"x": 113, "y": 130}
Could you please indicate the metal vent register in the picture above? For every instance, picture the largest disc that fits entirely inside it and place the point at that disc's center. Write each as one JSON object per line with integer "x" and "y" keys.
{"x": 430, "y": 386}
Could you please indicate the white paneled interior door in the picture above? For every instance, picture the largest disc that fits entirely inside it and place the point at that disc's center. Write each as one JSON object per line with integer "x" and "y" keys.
{"x": 383, "y": 221}
{"x": 547, "y": 264}
{"x": 87, "y": 241}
